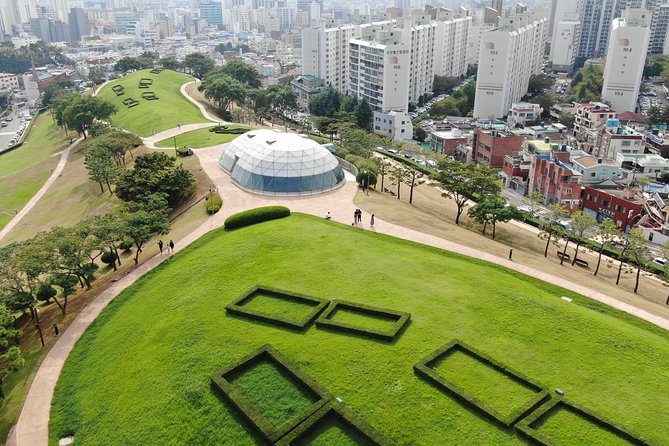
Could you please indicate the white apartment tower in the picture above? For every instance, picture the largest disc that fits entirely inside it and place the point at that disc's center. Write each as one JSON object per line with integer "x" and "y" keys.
{"x": 565, "y": 28}
{"x": 325, "y": 54}
{"x": 625, "y": 59}
{"x": 509, "y": 55}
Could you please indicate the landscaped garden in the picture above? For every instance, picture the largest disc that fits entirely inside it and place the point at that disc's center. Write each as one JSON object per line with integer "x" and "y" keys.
{"x": 147, "y": 107}
{"x": 206, "y": 137}
{"x": 167, "y": 363}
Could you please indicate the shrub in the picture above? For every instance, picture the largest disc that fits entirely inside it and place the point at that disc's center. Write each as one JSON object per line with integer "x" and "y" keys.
{"x": 125, "y": 245}
{"x": 214, "y": 203}
{"x": 364, "y": 175}
{"x": 108, "y": 257}
{"x": 46, "y": 292}
{"x": 184, "y": 151}
{"x": 257, "y": 215}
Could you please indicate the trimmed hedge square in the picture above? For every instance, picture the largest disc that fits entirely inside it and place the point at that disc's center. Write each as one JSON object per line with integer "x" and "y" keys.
{"x": 223, "y": 381}
{"x": 396, "y": 319}
{"x": 424, "y": 368}
{"x": 531, "y": 426}
{"x": 335, "y": 413}
{"x": 239, "y": 307}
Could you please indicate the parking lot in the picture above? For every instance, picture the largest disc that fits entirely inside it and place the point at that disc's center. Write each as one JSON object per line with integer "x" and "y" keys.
{"x": 426, "y": 107}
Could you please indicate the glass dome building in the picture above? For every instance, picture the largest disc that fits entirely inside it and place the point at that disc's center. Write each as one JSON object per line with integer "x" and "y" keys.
{"x": 273, "y": 163}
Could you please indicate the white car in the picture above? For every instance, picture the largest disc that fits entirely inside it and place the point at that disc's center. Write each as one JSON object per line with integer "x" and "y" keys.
{"x": 660, "y": 261}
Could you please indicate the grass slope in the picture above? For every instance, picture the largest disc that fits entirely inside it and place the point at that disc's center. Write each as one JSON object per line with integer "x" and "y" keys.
{"x": 267, "y": 303}
{"x": 152, "y": 116}
{"x": 567, "y": 427}
{"x": 140, "y": 375}
{"x": 199, "y": 138}
{"x": 24, "y": 170}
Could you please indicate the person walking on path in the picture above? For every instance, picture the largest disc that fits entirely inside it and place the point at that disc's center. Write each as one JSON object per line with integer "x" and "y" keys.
{"x": 359, "y": 216}
{"x": 160, "y": 245}
{"x": 371, "y": 222}
{"x": 171, "y": 245}
{"x": 355, "y": 217}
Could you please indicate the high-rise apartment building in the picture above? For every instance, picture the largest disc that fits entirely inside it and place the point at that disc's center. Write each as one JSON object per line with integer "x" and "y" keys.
{"x": 497, "y": 5}
{"x": 509, "y": 55}
{"x": 596, "y": 18}
{"x": 565, "y": 32}
{"x": 625, "y": 59}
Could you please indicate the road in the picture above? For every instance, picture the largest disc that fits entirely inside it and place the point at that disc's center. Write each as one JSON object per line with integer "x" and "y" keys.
{"x": 9, "y": 132}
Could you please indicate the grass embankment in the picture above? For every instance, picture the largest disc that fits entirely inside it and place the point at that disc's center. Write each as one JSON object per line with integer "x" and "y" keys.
{"x": 24, "y": 170}
{"x": 196, "y": 139}
{"x": 141, "y": 373}
{"x": 150, "y": 117}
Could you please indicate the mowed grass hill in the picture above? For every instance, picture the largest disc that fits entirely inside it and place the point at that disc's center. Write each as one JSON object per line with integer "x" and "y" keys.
{"x": 170, "y": 108}
{"x": 141, "y": 373}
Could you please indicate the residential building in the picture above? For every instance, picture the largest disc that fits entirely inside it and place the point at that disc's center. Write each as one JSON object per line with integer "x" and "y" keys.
{"x": 498, "y": 5}
{"x": 595, "y": 170}
{"x": 589, "y": 117}
{"x": 522, "y": 113}
{"x": 491, "y": 146}
{"x": 515, "y": 172}
{"x": 484, "y": 21}
{"x": 613, "y": 201}
{"x": 447, "y": 141}
{"x": 395, "y": 124}
{"x": 557, "y": 181}
{"x": 565, "y": 43}
{"x": 614, "y": 139}
{"x": 558, "y": 109}
{"x": 306, "y": 86}
{"x": 8, "y": 81}
{"x": 647, "y": 165}
{"x": 325, "y": 54}
{"x": 509, "y": 55}
{"x": 596, "y": 18}
{"x": 625, "y": 59}
{"x": 450, "y": 47}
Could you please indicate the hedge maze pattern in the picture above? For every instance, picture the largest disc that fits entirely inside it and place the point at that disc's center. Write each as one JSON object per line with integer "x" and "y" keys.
{"x": 268, "y": 353}
{"x": 398, "y": 318}
{"x": 530, "y": 426}
{"x": 237, "y": 307}
{"x": 344, "y": 417}
{"x": 291, "y": 432}
{"x": 424, "y": 369}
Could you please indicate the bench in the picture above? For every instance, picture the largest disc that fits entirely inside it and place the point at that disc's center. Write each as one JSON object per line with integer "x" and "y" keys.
{"x": 385, "y": 189}
{"x": 561, "y": 255}
{"x": 581, "y": 263}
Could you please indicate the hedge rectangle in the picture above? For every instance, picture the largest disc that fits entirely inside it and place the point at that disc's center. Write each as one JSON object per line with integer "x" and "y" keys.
{"x": 531, "y": 426}
{"x": 424, "y": 368}
{"x": 222, "y": 382}
{"x": 398, "y": 319}
{"x": 238, "y": 306}
{"x": 338, "y": 413}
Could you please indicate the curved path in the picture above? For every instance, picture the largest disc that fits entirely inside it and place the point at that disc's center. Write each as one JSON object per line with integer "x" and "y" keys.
{"x": 42, "y": 190}
{"x": 197, "y": 103}
{"x": 150, "y": 141}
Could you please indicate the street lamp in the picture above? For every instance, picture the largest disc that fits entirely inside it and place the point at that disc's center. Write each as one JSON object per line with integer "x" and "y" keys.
{"x": 38, "y": 327}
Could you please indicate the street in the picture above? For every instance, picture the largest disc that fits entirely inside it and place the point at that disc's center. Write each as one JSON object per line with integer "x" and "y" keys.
{"x": 10, "y": 131}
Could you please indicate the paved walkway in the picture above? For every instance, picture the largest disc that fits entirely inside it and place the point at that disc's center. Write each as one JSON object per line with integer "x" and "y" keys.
{"x": 40, "y": 193}
{"x": 151, "y": 141}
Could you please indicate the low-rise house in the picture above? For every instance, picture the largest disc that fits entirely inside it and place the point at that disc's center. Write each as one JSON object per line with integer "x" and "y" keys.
{"x": 610, "y": 200}
{"x": 305, "y": 87}
{"x": 491, "y": 146}
{"x": 614, "y": 138}
{"x": 555, "y": 178}
{"x": 447, "y": 141}
{"x": 394, "y": 124}
{"x": 595, "y": 170}
{"x": 522, "y": 113}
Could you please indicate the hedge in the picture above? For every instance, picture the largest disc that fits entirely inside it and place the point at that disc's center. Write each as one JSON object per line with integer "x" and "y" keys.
{"x": 125, "y": 245}
{"x": 237, "y": 307}
{"x": 257, "y": 215}
{"x": 221, "y": 382}
{"x": 530, "y": 427}
{"x": 184, "y": 151}
{"x": 108, "y": 257}
{"x": 424, "y": 369}
{"x": 213, "y": 203}
{"x": 345, "y": 416}
{"x": 409, "y": 162}
{"x": 388, "y": 334}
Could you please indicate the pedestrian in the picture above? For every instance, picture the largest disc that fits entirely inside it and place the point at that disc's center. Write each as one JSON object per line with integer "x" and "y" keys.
{"x": 371, "y": 222}
{"x": 328, "y": 216}
{"x": 355, "y": 217}
{"x": 171, "y": 245}
{"x": 179, "y": 125}
{"x": 55, "y": 330}
{"x": 160, "y": 245}
{"x": 511, "y": 254}
{"x": 359, "y": 216}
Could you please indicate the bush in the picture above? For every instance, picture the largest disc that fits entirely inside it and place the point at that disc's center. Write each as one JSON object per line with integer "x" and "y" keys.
{"x": 125, "y": 245}
{"x": 257, "y": 215}
{"x": 184, "y": 151}
{"x": 363, "y": 176}
{"x": 214, "y": 203}
{"x": 108, "y": 257}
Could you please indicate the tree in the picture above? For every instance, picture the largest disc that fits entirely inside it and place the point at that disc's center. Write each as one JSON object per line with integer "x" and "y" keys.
{"x": 664, "y": 253}
{"x": 534, "y": 202}
{"x": 10, "y": 358}
{"x": 146, "y": 219}
{"x": 550, "y": 228}
{"x": 357, "y": 141}
{"x": 444, "y": 84}
{"x": 607, "y": 233}
{"x": 419, "y": 134}
{"x": 538, "y": 83}
{"x": 242, "y": 72}
{"x": 567, "y": 119}
{"x": 100, "y": 167}
{"x": 546, "y": 101}
{"x": 130, "y": 64}
{"x": 413, "y": 179}
{"x": 399, "y": 175}
{"x": 169, "y": 63}
{"x": 96, "y": 74}
{"x": 463, "y": 182}
{"x": 364, "y": 115}
{"x": 81, "y": 111}
{"x": 118, "y": 144}
{"x": 384, "y": 169}
{"x": 581, "y": 223}
{"x": 655, "y": 116}
{"x": 152, "y": 173}
{"x": 55, "y": 90}
{"x": 492, "y": 210}
{"x": 109, "y": 230}
{"x": 638, "y": 252}
{"x": 223, "y": 90}
{"x": 199, "y": 64}
{"x": 282, "y": 99}
{"x": 325, "y": 103}
{"x": 348, "y": 104}
{"x": 71, "y": 250}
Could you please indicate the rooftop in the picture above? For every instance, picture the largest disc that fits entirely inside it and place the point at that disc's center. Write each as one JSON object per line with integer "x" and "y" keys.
{"x": 591, "y": 161}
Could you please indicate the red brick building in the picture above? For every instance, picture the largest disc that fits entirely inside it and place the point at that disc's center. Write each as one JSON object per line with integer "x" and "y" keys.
{"x": 614, "y": 202}
{"x": 553, "y": 176}
{"x": 491, "y": 146}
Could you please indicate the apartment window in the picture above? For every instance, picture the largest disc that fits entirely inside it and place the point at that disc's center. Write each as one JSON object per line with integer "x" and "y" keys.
{"x": 568, "y": 190}
{"x": 605, "y": 203}
{"x": 591, "y": 197}
{"x": 620, "y": 208}
{"x": 592, "y": 175}
{"x": 627, "y": 143}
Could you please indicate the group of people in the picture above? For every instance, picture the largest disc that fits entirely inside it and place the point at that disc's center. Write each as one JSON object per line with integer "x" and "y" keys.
{"x": 170, "y": 246}
{"x": 357, "y": 218}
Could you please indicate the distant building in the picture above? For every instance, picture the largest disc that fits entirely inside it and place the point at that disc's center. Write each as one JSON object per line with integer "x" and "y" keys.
{"x": 491, "y": 146}
{"x": 595, "y": 170}
{"x": 556, "y": 179}
{"x": 212, "y": 12}
{"x": 306, "y": 86}
{"x": 78, "y": 24}
{"x": 609, "y": 200}
{"x": 396, "y": 124}
{"x": 515, "y": 172}
{"x": 522, "y": 113}
{"x": 8, "y": 81}
{"x": 625, "y": 59}
{"x": 447, "y": 141}
{"x": 565, "y": 43}
{"x": 589, "y": 117}
{"x": 614, "y": 139}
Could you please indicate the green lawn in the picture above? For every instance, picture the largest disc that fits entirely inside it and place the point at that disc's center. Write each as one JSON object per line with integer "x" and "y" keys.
{"x": 277, "y": 306}
{"x": 363, "y": 319}
{"x": 141, "y": 373}
{"x": 567, "y": 427}
{"x": 332, "y": 431}
{"x": 199, "y": 138}
{"x": 171, "y": 109}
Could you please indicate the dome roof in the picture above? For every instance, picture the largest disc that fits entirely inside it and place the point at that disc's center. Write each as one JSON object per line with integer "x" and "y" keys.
{"x": 269, "y": 162}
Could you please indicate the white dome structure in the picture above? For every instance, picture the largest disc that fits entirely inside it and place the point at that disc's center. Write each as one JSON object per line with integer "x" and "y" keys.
{"x": 274, "y": 163}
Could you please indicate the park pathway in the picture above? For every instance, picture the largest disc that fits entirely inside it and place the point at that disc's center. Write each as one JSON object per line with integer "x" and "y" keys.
{"x": 42, "y": 190}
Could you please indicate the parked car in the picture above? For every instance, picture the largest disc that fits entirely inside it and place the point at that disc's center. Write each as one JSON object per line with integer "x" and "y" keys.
{"x": 660, "y": 261}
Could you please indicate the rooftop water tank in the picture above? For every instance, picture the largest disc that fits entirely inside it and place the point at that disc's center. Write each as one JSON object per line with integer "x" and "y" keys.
{"x": 613, "y": 123}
